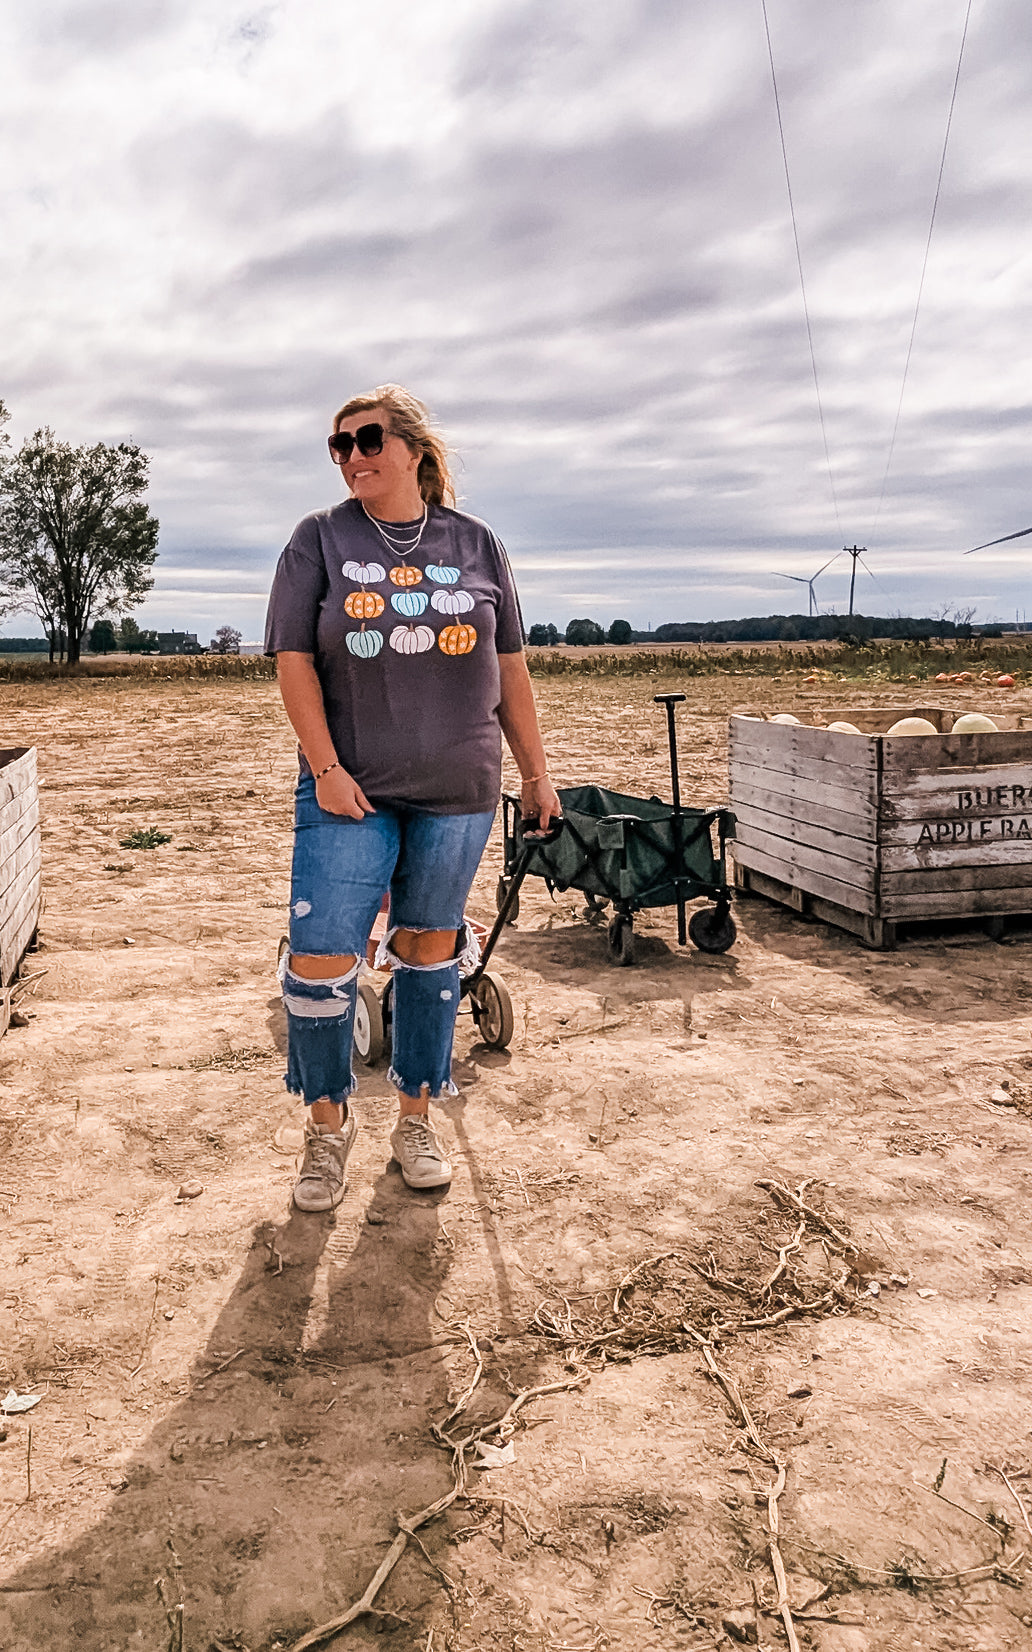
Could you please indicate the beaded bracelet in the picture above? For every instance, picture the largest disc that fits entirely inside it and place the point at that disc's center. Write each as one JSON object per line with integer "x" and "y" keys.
{"x": 529, "y": 779}
{"x": 326, "y": 770}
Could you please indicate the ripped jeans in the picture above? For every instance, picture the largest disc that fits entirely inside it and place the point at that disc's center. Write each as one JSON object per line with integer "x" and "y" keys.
{"x": 341, "y": 870}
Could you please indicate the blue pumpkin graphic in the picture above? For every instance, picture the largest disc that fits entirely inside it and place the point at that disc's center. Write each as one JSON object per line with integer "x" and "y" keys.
{"x": 410, "y": 603}
{"x": 442, "y": 575}
{"x": 365, "y": 645}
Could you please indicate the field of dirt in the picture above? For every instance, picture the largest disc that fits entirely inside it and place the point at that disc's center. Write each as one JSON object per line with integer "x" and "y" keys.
{"x": 733, "y": 1283}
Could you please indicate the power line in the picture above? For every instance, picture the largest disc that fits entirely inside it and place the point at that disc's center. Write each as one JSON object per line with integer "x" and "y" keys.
{"x": 924, "y": 266}
{"x": 799, "y": 263}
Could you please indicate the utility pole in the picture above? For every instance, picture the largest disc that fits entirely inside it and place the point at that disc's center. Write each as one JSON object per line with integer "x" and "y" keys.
{"x": 854, "y": 551}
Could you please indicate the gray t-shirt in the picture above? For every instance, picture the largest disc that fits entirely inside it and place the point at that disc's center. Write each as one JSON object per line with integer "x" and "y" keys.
{"x": 406, "y": 650}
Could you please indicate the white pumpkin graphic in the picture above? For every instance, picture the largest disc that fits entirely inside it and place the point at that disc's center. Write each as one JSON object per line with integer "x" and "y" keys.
{"x": 364, "y": 573}
{"x": 411, "y": 639}
{"x": 452, "y": 602}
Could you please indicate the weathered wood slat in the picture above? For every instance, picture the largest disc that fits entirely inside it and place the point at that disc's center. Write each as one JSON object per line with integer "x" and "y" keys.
{"x": 20, "y": 865}
{"x": 956, "y": 903}
{"x": 879, "y": 719}
{"x": 23, "y": 825}
{"x": 815, "y": 883}
{"x": 813, "y": 831}
{"x": 18, "y": 927}
{"x": 17, "y": 772}
{"x": 773, "y": 743}
{"x": 799, "y": 855}
{"x": 936, "y": 796}
{"x": 19, "y": 856}
{"x": 873, "y": 931}
{"x": 860, "y": 804}
{"x": 787, "y": 808}
{"x": 935, "y": 879}
{"x": 932, "y": 753}
{"x": 988, "y": 852}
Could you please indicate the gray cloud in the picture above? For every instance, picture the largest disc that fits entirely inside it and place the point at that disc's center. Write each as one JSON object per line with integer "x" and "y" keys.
{"x": 577, "y": 247}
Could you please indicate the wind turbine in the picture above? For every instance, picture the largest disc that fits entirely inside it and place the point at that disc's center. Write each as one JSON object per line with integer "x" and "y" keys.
{"x": 989, "y": 542}
{"x": 810, "y": 582}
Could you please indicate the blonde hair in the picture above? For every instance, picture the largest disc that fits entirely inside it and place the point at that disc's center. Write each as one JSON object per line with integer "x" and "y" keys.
{"x": 410, "y": 420}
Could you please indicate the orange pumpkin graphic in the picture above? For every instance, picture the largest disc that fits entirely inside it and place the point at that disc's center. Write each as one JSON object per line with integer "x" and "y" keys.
{"x": 457, "y": 639}
{"x": 405, "y": 576}
{"x": 363, "y": 605}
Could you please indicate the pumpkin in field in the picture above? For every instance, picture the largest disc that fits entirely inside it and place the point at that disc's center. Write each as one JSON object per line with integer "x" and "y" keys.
{"x": 457, "y": 639}
{"x": 411, "y": 639}
{"x": 364, "y": 573}
{"x": 784, "y": 717}
{"x": 363, "y": 605}
{"x": 410, "y": 603}
{"x": 405, "y": 576}
{"x": 843, "y": 728}
{"x": 365, "y": 645}
{"x": 1006, "y": 681}
{"x": 442, "y": 575}
{"x": 452, "y": 602}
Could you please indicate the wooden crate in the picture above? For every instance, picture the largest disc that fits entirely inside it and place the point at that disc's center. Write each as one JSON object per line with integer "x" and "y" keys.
{"x": 19, "y": 857}
{"x": 868, "y": 832}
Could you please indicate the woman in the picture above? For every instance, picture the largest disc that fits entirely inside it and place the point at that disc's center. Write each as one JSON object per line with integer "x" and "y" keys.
{"x": 399, "y": 650}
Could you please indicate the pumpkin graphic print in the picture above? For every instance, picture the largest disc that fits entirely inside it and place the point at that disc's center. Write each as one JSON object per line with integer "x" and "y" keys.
{"x": 363, "y": 605}
{"x": 405, "y": 576}
{"x": 365, "y": 645}
{"x": 364, "y": 573}
{"x": 457, "y": 639}
{"x": 451, "y": 602}
{"x": 411, "y": 639}
{"x": 409, "y": 603}
{"x": 442, "y": 574}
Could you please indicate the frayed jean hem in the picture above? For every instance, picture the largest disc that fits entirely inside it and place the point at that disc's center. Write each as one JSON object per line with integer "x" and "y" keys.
{"x": 339, "y": 1100}
{"x": 448, "y": 1088}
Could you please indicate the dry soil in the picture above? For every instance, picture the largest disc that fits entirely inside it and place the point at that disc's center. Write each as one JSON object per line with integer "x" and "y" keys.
{"x": 239, "y": 1402}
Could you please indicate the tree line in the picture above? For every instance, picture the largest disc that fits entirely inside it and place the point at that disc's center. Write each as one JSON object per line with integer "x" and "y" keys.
{"x": 77, "y": 540}
{"x": 769, "y": 628}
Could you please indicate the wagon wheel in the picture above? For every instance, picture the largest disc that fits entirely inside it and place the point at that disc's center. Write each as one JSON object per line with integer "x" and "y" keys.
{"x": 621, "y": 939}
{"x": 369, "y": 1040}
{"x": 501, "y": 896}
{"x": 284, "y": 946}
{"x": 492, "y": 1009}
{"x": 711, "y": 929}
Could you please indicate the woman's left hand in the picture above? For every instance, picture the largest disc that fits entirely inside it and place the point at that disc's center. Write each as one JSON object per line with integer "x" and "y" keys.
{"x": 539, "y": 798}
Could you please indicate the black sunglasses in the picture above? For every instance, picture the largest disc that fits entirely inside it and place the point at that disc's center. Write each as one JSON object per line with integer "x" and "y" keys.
{"x": 368, "y": 438}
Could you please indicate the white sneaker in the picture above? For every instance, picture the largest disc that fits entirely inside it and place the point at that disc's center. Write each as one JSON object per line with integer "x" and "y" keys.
{"x": 321, "y": 1184}
{"x": 419, "y": 1153}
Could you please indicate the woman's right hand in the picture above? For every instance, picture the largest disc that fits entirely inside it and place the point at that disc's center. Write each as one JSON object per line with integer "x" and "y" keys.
{"x": 339, "y": 794}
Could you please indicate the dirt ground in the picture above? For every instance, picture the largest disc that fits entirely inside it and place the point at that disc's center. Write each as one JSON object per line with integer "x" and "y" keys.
{"x": 239, "y": 1403}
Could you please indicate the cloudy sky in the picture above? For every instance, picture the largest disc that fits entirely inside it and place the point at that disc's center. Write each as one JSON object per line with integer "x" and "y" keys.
{"x": 565, "y": 226}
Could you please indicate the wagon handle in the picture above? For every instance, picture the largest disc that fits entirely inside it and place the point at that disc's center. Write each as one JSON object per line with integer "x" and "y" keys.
{"x": 670, "y": 701}
{"x": 519, "y": 873}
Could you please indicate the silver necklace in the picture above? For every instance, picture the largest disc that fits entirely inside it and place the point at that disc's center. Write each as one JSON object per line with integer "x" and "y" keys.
{"x": 400, "y": 547}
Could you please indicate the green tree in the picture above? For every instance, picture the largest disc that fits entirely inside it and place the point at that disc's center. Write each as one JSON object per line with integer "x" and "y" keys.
{"x": 129, "y": 636}
{"x": 583, "y": 632}
{"x": 619, "y": 632}
{"x": 103, "y": 637}
{"x": 543, "y": 636}
{"x": 75, "y": 535}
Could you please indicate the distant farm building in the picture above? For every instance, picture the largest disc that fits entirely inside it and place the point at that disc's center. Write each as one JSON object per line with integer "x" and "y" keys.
{"x": 179, "y": 642}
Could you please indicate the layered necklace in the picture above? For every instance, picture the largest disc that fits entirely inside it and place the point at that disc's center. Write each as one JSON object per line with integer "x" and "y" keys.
{"x": 403, "y": 543}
